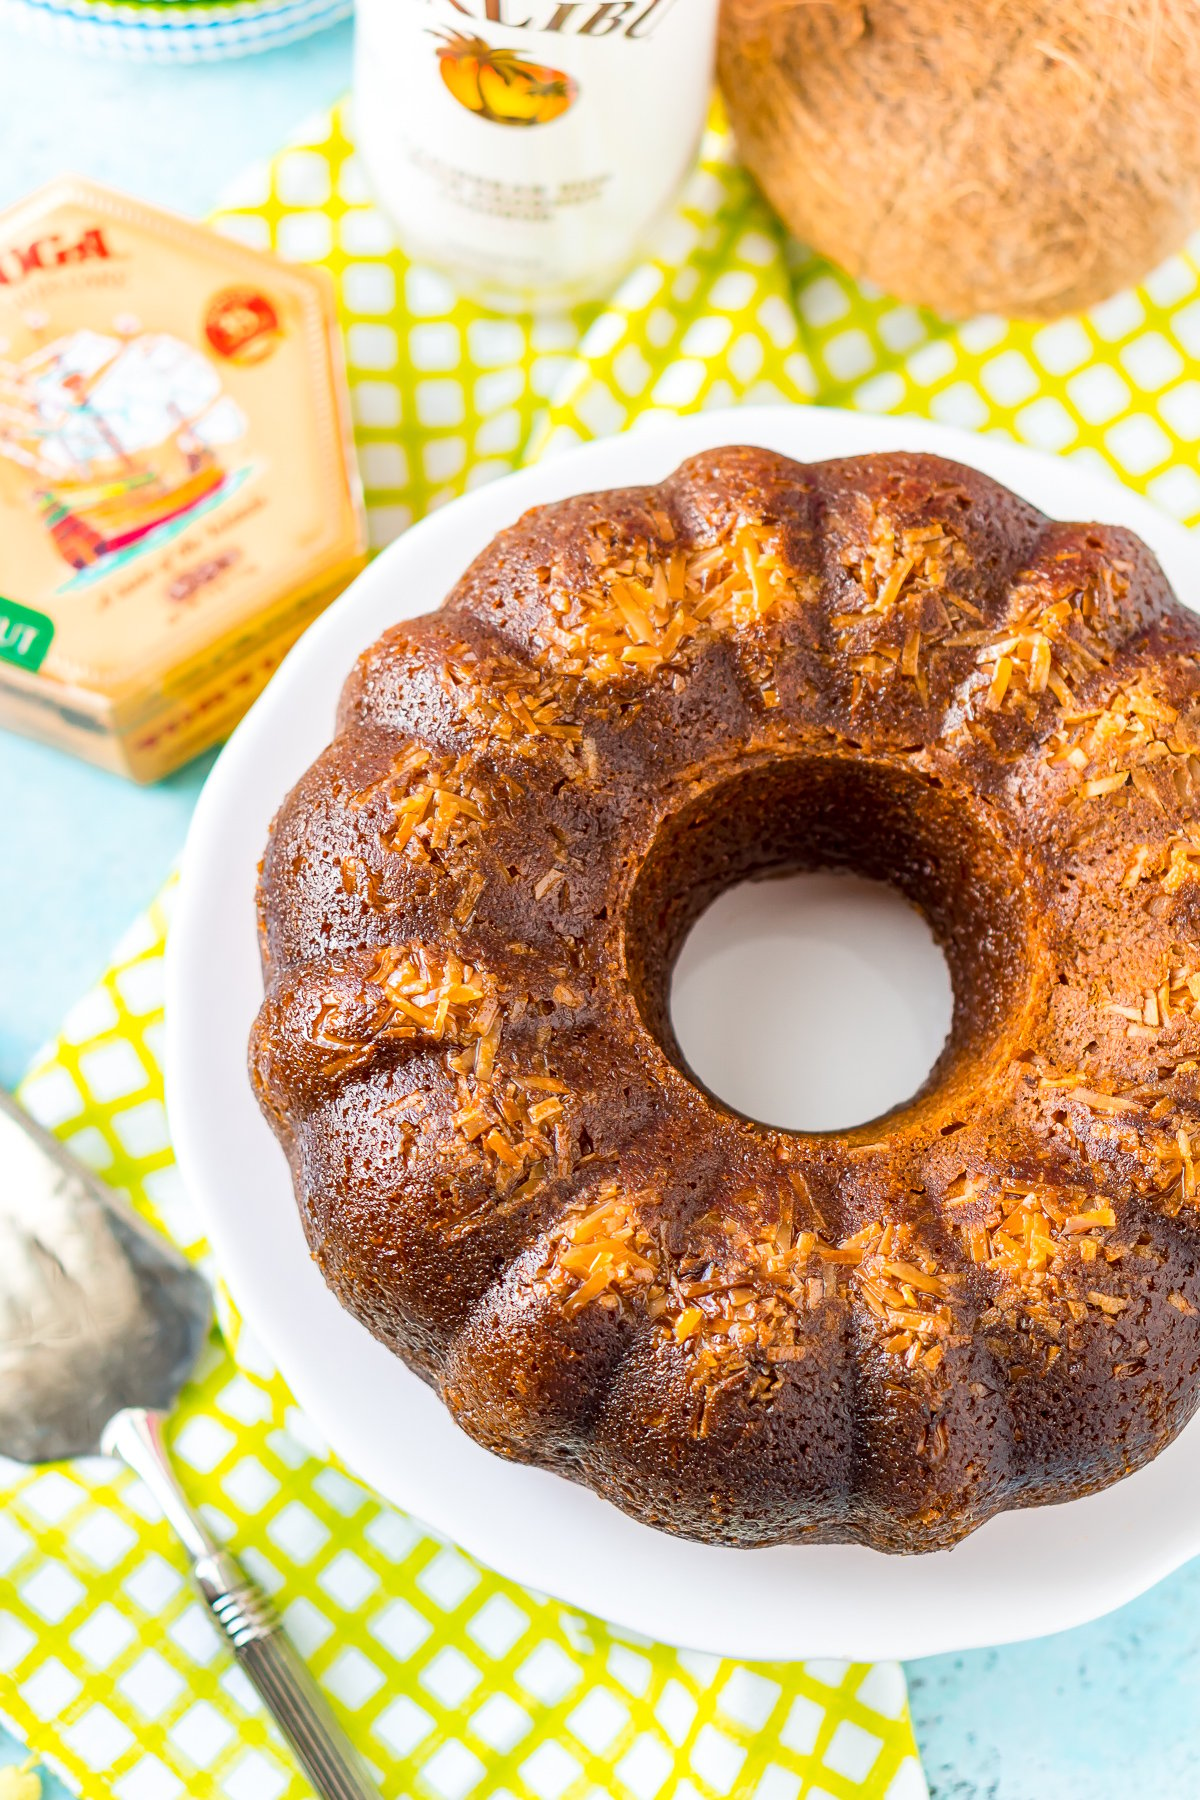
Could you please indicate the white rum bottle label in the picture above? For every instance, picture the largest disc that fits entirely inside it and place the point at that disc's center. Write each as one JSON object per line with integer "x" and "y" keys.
{"x": 528, "y": 145}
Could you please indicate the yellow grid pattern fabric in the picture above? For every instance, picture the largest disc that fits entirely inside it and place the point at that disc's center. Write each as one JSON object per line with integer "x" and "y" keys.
{"x": 453, "y": 1682}
{"x": 723, "y": 311}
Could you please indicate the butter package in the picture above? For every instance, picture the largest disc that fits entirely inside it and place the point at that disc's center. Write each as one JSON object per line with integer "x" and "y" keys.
{"x": 178, "y": 492}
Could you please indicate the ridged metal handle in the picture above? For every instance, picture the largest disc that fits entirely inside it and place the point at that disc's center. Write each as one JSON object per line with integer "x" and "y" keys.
{"x": 277, "y": 1673}
{"x": 282, "y": 1680}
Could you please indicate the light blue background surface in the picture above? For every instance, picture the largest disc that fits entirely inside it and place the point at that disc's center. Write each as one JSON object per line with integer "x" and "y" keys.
{"x": 1097, "y": 1714}
{"x": 84, "y": 851}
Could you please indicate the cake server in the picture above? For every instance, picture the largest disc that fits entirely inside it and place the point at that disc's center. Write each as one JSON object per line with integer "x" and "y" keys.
{"x": 101, "y": 1322}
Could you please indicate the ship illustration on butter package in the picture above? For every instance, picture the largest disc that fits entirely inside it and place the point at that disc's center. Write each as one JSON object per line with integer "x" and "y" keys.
{"x": 123, "y": 437}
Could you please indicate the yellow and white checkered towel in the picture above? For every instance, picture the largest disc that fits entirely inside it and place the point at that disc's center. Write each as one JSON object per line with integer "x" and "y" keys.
{"x": 452, "y": 1682}
{"x": 455, "y": 1683}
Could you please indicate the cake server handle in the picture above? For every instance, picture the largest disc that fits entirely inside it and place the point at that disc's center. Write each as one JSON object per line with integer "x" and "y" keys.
{"x": 245, "y": 1618}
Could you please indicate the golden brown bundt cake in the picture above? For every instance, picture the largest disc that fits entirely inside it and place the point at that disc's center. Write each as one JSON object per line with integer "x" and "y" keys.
{"x": 469, "y": 910}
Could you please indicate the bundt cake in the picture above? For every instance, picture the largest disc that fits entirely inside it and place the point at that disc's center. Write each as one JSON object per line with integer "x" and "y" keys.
{"x": 469, "y": 908}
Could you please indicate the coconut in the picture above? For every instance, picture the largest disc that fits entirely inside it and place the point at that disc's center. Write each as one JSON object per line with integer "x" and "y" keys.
{"x": 1027, "y": 157}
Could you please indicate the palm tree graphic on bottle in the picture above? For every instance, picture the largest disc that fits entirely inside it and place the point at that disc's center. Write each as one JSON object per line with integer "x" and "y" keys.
{"x": 501, "y": 86}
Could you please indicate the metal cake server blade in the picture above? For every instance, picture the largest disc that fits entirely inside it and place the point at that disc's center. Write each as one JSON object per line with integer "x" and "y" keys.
{"x": 101, "y": 1322}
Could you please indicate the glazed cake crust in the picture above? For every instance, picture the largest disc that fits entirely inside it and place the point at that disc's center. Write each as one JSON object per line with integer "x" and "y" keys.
{"x": 469, "y": 910}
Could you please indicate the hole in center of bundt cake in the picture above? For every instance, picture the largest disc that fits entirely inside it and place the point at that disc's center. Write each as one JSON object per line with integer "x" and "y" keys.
{"x": 844, "y": 999}
{"x": 849, "y": 814}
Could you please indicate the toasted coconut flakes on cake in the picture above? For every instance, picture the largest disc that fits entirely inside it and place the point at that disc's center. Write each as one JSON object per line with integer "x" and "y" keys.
{"x": 411, "y": 991}
{"x": 516, "y": 1120}
{"x": 359, "y": 878}
{"x": 1055, "y": 638}
{"x": 548, "y": 882}
{"x": 742, "y": 1316}
{"x": 1177, "y": 996}
{"x": 1034, "y": 1237}
{"x": 469, "y": 897}
{"x": 1106, "y": 1303}
{"x": 647, "y": 610}
{"x": 886, "y": 565}
{"x": 437, "y": 802}
{"x": 1074, "y": 1087}
{"x": 602, "y": 1254}
{"x": 740, "y": 1313}
{"x": 1172, "y": 862}
{"x": 1001, "y": 676}
{"x": 509, "y": 700}
{"x": 905, "y": 1291}
{"x": 1171, "y": 1173}
{"x": 1132, "y": 732}
{"x": 908, "y": 610}
{"x": 1183, "y": 859}
{"x": 1139, "y": 867}
{"x": 1105, "y": 784}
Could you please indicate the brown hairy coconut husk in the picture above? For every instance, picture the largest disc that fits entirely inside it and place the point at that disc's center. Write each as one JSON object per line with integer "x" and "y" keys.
{"x": 1027, "y": 157}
